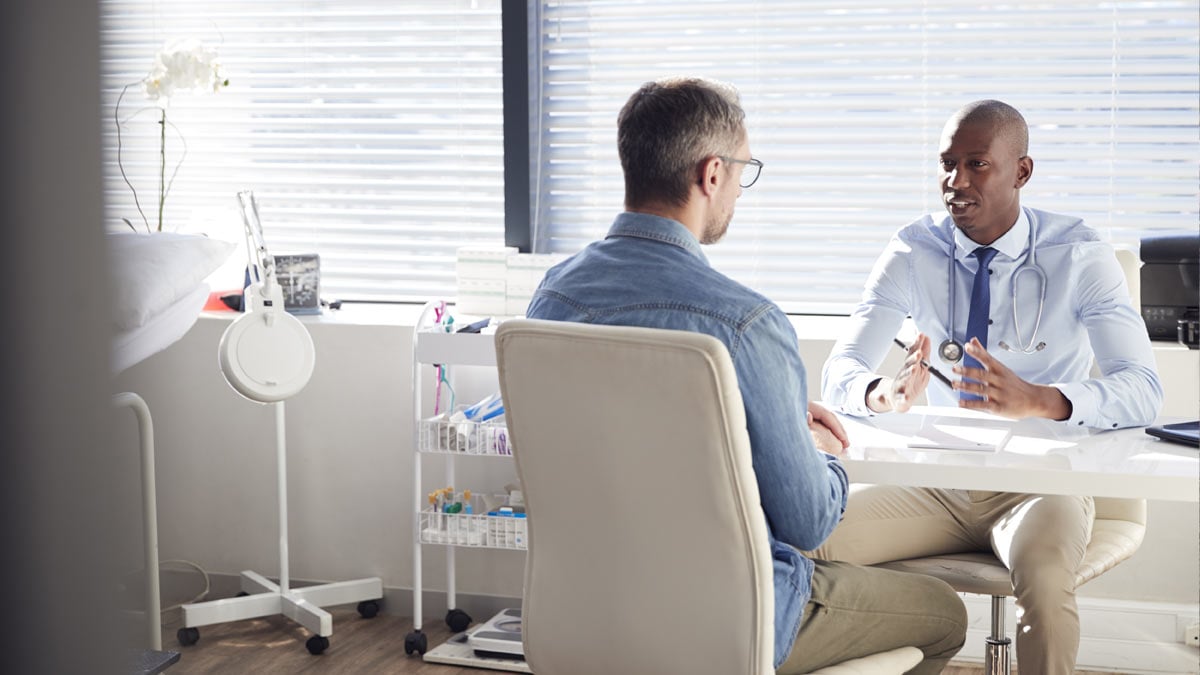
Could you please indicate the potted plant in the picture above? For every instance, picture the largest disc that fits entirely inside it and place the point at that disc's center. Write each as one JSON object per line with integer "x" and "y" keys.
{"x": 180, "y": 66}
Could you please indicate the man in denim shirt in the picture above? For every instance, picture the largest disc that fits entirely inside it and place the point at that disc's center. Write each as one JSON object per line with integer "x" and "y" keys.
{"x": 686, "y": 158}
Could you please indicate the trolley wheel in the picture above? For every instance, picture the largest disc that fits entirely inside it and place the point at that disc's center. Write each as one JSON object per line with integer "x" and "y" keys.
{"x": 415, "y": 642}
{"x": 368, "y": 609}
{"x": 317, "y": 644}
{"x": 458, "y": 620}
{"x": 188, "y": 636}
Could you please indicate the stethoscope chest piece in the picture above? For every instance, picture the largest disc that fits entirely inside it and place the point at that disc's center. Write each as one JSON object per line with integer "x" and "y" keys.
{"x": 951, "y": 351}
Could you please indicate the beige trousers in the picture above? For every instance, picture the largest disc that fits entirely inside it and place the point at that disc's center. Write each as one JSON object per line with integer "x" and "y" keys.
{"x": 1040, "y": 538}
{"x": 855, "y": 611}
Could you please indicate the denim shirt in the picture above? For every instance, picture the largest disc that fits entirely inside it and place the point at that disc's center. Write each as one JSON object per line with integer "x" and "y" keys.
{"x": 650, "y": 272}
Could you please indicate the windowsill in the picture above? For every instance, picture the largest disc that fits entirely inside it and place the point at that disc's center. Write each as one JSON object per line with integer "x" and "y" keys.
{"x": 351, "y": 314}
{"x": 405, "y": 315}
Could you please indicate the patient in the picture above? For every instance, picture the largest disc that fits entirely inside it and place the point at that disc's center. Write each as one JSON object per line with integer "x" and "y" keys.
{"x": 1027, "y": 345}
{"x": 686, "y": 157}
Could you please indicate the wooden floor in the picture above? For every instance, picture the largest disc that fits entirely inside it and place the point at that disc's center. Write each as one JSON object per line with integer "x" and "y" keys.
{"x": 276, "y": 645}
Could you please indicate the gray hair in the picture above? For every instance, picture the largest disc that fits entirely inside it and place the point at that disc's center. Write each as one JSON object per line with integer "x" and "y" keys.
{"x": 668, "y": 127}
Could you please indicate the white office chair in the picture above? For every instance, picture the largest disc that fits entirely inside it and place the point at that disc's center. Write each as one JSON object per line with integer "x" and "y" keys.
{"x": 1117, "y": 533}
{"x": 647, "y": 548}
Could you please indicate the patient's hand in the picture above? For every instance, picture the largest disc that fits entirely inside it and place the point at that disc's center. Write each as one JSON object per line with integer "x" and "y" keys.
{"x": 828, "y": 433}
{"x": 825, "y": 440}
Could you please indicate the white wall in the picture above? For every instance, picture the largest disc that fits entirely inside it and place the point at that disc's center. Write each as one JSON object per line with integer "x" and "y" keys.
{"x": 350, "y": 461}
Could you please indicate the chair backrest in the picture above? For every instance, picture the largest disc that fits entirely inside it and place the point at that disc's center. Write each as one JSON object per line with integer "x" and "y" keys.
{"x": 1131, "y": 267}
{"x": 648, "y": 548}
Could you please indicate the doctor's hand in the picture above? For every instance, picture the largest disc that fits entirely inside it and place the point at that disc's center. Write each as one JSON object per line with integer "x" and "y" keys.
{"x": 900, "y": 393}
{"x": 827, "y": 430}
{"x": 1005, "y": 394}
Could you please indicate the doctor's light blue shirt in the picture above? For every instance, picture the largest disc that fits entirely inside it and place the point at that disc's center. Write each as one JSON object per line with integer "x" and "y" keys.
{"x": 1087, "y": 317}
{"x": 650, "y": 272}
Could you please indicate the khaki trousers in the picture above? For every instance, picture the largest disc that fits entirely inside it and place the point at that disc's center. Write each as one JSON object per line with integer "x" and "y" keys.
{"x": 855, "y": 611}
{"x": 1040, "y": 538}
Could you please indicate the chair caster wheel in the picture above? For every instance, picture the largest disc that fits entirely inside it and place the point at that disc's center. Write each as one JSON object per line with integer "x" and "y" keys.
{"x": 458, "y": 620}
{"x": 188, "y": 636}
{"x": 368, "y": 609}
{"x": 317, "y": 644}
{"x": 415, "y": 642}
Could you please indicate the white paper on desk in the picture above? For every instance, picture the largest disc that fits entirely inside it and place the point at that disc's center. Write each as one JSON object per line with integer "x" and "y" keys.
{"x": 940, "y": 432}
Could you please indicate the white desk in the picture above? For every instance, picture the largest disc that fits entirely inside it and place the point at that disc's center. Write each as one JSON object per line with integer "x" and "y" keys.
{"x": 1041, "y": 457}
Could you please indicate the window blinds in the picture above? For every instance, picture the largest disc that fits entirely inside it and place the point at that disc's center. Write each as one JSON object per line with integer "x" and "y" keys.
{"x": 370, "y": 131}
{"x": 845, "y": 103}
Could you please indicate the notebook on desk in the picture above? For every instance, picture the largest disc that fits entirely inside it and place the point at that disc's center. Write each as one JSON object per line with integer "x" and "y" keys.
{"x": 1184, "y": 433}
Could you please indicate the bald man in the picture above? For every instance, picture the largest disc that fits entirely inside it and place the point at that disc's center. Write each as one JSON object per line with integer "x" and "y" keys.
{"x": 1034, "y": 365}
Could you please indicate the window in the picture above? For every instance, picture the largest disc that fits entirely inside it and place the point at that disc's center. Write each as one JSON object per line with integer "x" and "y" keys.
{"x": 370, "y": 130}
{"x": 845, "y": 104}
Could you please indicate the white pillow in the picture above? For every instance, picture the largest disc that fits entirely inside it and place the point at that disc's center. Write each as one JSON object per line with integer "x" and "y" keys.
{"x": 152, "y": 271}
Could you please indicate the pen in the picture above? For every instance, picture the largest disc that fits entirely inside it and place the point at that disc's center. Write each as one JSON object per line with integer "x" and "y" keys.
{"x": 933, "y": 371}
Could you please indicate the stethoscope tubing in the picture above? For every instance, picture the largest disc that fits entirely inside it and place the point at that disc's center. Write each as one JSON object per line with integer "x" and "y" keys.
{"x": 951, "y": 350}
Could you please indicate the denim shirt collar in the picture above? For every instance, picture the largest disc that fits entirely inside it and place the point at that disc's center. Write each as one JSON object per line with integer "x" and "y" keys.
{"x": 647, "y": 226}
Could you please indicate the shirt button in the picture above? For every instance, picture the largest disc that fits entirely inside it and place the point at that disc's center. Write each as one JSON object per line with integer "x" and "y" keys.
{"x": 990, "y": 322}
{"x": 1080, "y": 422}
{"x": 989, "y": 270}
{"x": 1114, "y": 425}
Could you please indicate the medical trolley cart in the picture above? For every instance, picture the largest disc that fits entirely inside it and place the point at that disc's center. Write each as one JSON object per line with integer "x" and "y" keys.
{"x": 434, "y": 523}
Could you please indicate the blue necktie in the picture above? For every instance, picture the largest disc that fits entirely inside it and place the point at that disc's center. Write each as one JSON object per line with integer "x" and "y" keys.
{"x": 981, "y": 304}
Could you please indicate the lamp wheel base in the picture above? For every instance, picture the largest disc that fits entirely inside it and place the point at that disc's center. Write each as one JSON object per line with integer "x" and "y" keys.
{"x": 368, "y": 609}
{"x": 317, "y": 644}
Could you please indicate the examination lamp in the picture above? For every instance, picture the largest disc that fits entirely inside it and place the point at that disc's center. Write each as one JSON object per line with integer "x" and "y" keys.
{"x": 266, "y": 354}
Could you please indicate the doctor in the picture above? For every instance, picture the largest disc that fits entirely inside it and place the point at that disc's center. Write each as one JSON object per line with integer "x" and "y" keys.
{"x": 1027, "y": 300}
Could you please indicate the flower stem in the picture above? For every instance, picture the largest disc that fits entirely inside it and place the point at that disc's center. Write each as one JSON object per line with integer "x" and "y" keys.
{"x": 121, "y": 166}
{"x": 162, "y": 167}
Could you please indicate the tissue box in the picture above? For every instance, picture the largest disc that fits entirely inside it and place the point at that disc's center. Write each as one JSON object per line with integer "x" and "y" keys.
{"x": 481, "y": 272}
{"x": 483, "y": 262}
{"x": 483, "y": 297}
{"x": 525, "y": 272}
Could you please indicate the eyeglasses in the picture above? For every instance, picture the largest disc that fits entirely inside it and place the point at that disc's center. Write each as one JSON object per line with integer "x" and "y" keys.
{"x": 750, "y": 172}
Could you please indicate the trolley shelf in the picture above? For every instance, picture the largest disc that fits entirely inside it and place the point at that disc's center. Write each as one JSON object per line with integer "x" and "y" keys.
{"x": 442, "y": 435}
{"x": 474, "y": 531}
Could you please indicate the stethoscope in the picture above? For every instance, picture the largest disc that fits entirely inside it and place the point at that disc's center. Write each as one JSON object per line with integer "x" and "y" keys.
{"x": 951, "y": 350}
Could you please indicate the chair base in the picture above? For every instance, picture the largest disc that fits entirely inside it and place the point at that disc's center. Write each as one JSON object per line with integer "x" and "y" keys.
{"x": 996, "y": 656}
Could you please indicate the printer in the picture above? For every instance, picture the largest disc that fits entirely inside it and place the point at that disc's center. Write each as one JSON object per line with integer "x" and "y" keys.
{"x": 1170, "y": 280}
